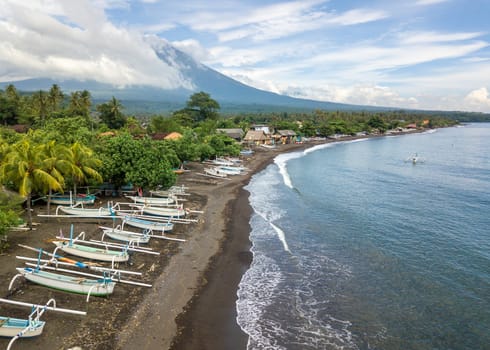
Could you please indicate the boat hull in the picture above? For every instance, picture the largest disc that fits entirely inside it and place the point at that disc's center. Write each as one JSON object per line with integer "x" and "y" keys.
{"x": 88, "y": 213}
{"x": 67, "y": 200}
{"x": 92, "y": 252}
{"x": 148, "y": 224}
{"x": 152, "y": 200}
{"x": 68, "y": 283}
{"x": 126, "y": 236}
{"x": 165, "y": 212}
{"x": 10, "y": 327}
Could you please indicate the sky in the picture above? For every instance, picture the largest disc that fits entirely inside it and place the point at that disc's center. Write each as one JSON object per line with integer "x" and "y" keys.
{"x": 422, "y": 54}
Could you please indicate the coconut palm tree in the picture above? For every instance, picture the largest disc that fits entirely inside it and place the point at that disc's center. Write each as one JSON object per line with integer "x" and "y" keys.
{"x": 58, "y": 163}
{"x": 55, "y": 98}
{"x": 84, "y": 165}
{"x": 24, "y": 167}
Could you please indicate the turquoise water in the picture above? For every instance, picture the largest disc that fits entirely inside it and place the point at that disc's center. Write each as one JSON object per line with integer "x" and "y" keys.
{"x": 356, "y": 248}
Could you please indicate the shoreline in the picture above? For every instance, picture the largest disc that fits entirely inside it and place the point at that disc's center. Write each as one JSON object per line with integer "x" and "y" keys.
{"x": 200, "y": 306}
{"x": 192, "y": 302}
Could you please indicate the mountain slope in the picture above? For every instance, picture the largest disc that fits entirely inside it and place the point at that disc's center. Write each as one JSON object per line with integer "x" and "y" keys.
{"x": 226, "y": 91}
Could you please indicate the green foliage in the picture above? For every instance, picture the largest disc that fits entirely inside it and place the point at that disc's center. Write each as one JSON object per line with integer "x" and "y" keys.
{"x": 223, "y": 145}
{"x": 110, "y": 113}
{"x": 161, "y": 124}
{"x": 203, "y": 106}
{"x": 376, "y": 122}
{"x": 80, "y": 104}
{"x": 68, "y": 131}
{"x": 136, "y": 161}
{"x": 186, "y": 148}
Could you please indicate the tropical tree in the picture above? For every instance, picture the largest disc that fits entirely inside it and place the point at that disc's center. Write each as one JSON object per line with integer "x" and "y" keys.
{"x": 203, "y": 106}
{"x": 40, "y": 105}
{"x": 55, "y": 98}
{"x": 141, "y": 162}
{"x": 80, "y": 103}
{"x": 111, "y": 114}
{"x": 25, "y": 168}
{"x": 57, "y": 162}
{"x": 84, "y": 165}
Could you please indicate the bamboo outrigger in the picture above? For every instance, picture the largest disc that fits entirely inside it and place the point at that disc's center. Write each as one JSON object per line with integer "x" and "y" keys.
{"x": 32, "y": 326}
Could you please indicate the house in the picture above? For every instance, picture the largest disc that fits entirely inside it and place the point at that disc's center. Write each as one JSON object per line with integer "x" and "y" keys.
{"x": 260, "y": 127}
{"x": 285, "y": 136}
{"x": 163, "y": 136}
{"x": 257, "y": 137}
{"x": 234, "y": 133}
{"x": 173, "y": 136}
{"x": 412, "y": 126}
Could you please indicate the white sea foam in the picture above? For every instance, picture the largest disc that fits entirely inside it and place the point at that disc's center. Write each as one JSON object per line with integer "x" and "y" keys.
{"x": 282, "y": 237}
{"x": 281, "y": 161}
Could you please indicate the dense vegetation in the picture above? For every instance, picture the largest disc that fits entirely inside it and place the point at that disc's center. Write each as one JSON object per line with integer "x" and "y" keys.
{"x": 54, "y": 142}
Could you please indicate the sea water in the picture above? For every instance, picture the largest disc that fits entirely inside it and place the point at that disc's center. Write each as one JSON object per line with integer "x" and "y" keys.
{"x": 356, "y": 247}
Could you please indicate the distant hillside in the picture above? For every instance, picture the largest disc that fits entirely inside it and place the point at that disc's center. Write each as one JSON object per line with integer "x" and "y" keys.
{"x": 233, "y": 96}
{"x": 227, "y": 91}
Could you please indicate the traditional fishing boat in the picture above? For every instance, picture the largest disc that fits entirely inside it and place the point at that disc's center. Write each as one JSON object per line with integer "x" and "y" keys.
{"x": 161, "y": 201}
{"x": 231, "y": 170}
{"x": 154, "y": 225}
{"x": 32, "y": 326}
{"x": 214, "y": 172}
{"x": 80, "y": 285}
{"x": 178, "y": 212}
{"x": 222, "y": 161}
{"x": 101, "y": 212}
{"x": 246, "y": 152}
{"x": 126, "y": 236}
{"x": 102, "y": 254}
{"x": 69, "y": 199}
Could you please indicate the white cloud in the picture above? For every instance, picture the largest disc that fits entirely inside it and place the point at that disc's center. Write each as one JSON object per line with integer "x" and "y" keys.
{"x": 479, "y": 100}
{"x": 358, "y": 16}
{"x": 193, "y": 48}
{"x": 74, "y": 39}
{"x": 429, "y": 2}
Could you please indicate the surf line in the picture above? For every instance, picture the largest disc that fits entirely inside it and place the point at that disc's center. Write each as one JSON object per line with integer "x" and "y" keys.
{"x": 281, "y": 236}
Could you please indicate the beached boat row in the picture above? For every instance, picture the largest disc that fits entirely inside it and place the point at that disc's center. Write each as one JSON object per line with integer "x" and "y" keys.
{"x": 154, "y": 219}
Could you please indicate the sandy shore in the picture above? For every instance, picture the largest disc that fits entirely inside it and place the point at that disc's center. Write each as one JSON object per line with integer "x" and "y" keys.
{"x": 191, "y": 304}
{"x": 199, "y": 285}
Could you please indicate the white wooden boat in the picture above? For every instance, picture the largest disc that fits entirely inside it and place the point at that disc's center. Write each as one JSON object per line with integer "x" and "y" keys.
{"x": 246, "y": 152}
{"x": 64, "y": 199}
{"x": 222, "y": 161}
{"x": 162, "y": 201}
{"x": 231, "y": 170}
{"x": 178, "y": 212}
{"x": 101, "y": 212}
{"x": 126, "y": 236}
{"x": 72, "y": 284}
{"x": 102, "y": 254}
{"x": 155, "y": 226}
{"x": 32, "y": 326}
{"x": 214, "y": 172}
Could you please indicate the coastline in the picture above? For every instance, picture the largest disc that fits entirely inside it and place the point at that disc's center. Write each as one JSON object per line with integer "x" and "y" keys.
{"x": 199, "y": 308}
{"x": 191, "y": 304}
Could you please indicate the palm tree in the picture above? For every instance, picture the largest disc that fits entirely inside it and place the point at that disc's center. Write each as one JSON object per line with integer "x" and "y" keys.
{"x": 55, "y": 98}
{"x": 40, "y": 104}
{"x": 24, "y": 166}
{"x": 83, "y": 164}
{"x": 58, "y": 163}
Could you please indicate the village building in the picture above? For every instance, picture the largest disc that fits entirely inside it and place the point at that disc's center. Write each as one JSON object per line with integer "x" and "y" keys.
{"x": 234, "y": 133}
{"x": 257, "y": 137}
{"x": 285, "y": 137}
